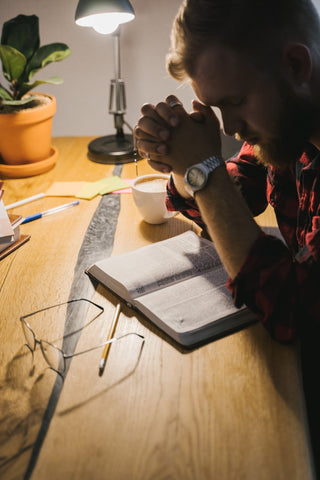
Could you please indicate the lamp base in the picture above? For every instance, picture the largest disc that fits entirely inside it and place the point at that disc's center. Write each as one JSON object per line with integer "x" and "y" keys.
{"x": 112, "y": 149}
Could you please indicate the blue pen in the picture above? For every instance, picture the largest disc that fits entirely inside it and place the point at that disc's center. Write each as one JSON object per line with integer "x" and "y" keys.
{"x": 30, "y": 218}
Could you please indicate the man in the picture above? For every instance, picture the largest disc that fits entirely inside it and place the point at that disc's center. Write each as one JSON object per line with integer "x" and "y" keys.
{"x": 259, "y": 63}
{"x": 269, "y": 96}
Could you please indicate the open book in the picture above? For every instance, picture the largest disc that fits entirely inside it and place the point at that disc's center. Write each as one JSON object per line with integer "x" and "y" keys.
{"x": 179, "y": 284}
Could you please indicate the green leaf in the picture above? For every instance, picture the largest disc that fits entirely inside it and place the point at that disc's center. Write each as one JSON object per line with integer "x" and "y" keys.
{"x": 23, "y": 101}
{"x": 22, "y": 33}
{"x": 21, "y": 56}
{"x": 13, "y": 62}
{"x": 4, "y": 94}
{"x": 54, "y": 52}
{"x": 26, "y": 87}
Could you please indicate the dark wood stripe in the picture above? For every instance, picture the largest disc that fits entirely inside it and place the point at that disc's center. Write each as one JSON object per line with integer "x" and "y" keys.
{"x": 97, "y": 244}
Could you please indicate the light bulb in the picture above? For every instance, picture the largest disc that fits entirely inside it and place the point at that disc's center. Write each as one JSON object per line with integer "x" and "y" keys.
{"x": 105, "y": 29}
{"x": 105, "y": 22}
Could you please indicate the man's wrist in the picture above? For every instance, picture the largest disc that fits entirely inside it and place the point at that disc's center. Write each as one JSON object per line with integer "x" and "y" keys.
{"x": 196, "y": 176}
{"x": 180, "y": 186}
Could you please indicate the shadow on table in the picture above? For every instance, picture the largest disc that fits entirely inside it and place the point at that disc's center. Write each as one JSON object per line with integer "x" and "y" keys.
{"x": 24, "y": 394}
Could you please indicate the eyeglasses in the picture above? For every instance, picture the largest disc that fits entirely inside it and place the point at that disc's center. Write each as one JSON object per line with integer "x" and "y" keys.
{"x": 53, "y": 355}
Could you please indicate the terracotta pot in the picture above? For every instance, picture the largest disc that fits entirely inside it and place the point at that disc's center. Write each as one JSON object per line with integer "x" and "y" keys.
{"x": 25, "y": 136}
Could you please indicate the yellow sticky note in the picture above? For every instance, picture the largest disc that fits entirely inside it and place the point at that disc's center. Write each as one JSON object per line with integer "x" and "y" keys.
{"x": 64, "y": 189}
{"x": 103, "y": 186}
{"x": 113, "y": 183}
{"x": 91, "y": 189}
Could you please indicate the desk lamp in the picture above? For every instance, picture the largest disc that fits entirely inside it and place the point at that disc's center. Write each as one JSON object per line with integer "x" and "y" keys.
{"x": 105, "y": 16}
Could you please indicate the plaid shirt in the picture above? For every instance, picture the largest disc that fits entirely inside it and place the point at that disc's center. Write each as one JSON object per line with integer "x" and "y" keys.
{"x": 280, "y": 283}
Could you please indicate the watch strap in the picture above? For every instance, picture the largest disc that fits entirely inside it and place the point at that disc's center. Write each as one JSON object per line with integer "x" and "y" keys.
{"x": 213, "y": 162}
{"x": 206, "y": 167}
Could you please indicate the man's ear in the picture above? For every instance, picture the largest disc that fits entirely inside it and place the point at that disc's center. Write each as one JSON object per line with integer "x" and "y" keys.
{"x": 297, "y": 63}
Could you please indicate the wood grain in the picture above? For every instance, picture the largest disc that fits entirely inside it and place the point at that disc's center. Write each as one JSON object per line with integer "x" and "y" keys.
{"x": 232, "y": 409}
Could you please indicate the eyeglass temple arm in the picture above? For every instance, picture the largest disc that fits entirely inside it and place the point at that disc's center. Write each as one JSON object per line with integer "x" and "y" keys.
{"x": 61, "y": 304}
{"x": 70, "y": 355}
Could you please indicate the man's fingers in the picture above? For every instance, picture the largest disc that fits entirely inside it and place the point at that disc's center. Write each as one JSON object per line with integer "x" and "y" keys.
{"x": 161, "y": 113}
{"x": 147, "y": 126}
{"x": 202, "y": 109}
{"x": 198, "y": 117}
{"x": 152, "y": 124}
{"x": 159, "y": 166}
{"x": 153, "y": 129}
{"x": 176, "y": 108}
{"x": 149, "y": 143}
{"x": 166, "y": 112}
{"x": 152, "y": 148}
{"x": 173, "y": 101}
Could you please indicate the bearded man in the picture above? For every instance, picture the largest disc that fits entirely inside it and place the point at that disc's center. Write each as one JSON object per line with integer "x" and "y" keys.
{"x": 259, "y": 63}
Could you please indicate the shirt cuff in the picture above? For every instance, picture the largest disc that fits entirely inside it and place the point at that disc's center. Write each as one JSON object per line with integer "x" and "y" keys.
{"x": 188, "y": 207}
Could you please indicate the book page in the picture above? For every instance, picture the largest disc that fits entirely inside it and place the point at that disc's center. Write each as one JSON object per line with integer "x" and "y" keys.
{"x": 179, "y": 284}
{"x": 193, "y": 304}
{"x": 162, "y": 264}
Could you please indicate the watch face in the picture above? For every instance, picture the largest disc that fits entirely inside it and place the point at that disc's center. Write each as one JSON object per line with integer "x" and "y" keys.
{"x": 196, "y": 177}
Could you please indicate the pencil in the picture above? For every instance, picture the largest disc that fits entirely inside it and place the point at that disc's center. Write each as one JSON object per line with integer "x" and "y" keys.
{"x": 106, "y": 349}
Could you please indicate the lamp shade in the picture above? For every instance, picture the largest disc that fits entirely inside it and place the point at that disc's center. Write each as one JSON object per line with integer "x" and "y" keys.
{"x": 103, "y": 15}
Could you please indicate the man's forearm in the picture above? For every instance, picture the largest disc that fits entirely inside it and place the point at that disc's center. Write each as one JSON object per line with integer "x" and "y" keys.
{"x": 229, "y": 220}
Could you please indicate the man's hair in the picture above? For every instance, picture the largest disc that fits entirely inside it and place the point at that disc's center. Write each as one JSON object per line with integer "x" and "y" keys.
{"x": 258, "y": 28}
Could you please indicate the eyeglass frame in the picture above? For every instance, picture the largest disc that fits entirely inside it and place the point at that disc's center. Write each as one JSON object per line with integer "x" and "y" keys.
{"x": 65, "y": 356}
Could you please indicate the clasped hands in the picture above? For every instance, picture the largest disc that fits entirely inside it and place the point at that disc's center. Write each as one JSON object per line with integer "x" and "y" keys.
{"x": 173, "y": 139}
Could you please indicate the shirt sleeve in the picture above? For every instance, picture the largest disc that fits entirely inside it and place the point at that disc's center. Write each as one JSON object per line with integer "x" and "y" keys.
{"x": 248, "y": 176}
{"x": 282, "y": 291}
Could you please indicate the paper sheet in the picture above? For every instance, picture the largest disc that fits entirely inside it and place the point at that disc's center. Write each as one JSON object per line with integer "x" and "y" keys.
{"x": 103, "y": 186}
{"x": 88, "y": 190}
{"x": 114, "y": 184}
{"x": 125, "y": 190}
{"x": 64, "y": 189}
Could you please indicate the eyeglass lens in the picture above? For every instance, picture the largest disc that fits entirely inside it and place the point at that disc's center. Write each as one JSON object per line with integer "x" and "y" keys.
{"x": 53, "y": 356}
{"x": 54, "y": 317}
{"x": 28, "y": 335}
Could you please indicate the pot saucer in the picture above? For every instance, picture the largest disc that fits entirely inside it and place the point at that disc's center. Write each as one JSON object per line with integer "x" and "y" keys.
{"x": 29, "y": 169}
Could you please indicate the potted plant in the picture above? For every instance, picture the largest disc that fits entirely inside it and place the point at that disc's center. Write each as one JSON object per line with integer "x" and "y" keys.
{"x": 26, "y": 118}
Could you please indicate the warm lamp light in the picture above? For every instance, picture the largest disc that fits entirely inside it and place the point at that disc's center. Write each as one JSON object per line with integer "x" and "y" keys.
{"x": 105, "y": 16}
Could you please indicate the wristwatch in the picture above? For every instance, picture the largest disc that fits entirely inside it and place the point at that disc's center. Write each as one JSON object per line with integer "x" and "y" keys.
{"x": 197, "y": 175}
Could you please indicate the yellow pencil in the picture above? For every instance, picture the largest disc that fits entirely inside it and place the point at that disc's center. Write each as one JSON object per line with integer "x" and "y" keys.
{"x": 110, "y": 335}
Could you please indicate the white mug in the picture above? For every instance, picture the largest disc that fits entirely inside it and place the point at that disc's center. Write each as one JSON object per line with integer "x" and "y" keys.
{"x": 149, "y": 193}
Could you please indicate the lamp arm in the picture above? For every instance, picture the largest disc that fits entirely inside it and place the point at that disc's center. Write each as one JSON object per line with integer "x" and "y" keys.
{"x": 117, "y": 97}
{"x": 116, "y": 53}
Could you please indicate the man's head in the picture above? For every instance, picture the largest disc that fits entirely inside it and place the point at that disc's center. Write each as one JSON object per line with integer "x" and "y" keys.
{"x": 257, "y": 28}
{"x": 253, "y": 60}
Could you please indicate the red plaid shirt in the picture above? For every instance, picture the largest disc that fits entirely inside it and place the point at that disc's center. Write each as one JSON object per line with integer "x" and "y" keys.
{"x": 281, "y": 284}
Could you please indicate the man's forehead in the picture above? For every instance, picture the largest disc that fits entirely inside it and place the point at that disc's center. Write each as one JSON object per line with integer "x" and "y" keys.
{"x": 217, "y": 71}
{"x": 217, "y": 60}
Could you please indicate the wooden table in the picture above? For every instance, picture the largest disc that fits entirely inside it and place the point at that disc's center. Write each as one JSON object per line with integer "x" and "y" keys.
{"x": 232, "y": 409}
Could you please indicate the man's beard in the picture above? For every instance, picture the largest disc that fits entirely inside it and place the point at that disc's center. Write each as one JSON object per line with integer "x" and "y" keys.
{"x": 295, "y": 124}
